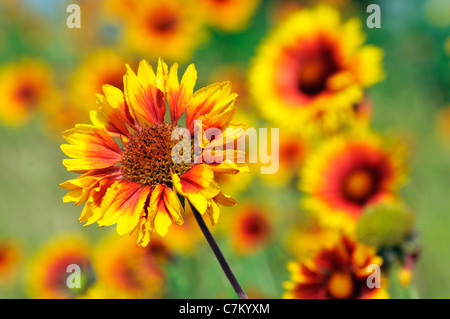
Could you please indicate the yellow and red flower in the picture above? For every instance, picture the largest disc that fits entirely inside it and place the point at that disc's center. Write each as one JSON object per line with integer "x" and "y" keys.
{"x": 312, "y": 69}
{"x": 24, "y": 86}
{"x": 126, "y": 268}
{"x": 347, "y": 173}
{"x": 169, "y": 28}
{"x": 228, "y": 15}
{"x": 48, "y": 272}
{"x": 10, "y": 259}
{"x": 137, "y": 186}
{"x": 339, "y": 272}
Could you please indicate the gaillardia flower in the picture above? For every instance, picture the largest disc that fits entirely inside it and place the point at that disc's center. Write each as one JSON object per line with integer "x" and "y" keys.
{"x": 312, "y": 69}
{"x": 339, "y": 272}
{"x": 129, "y": 174}
{"x": 347, "y": 173}
{"x": 25, "y": 86}
{"x": 48, "y": 272}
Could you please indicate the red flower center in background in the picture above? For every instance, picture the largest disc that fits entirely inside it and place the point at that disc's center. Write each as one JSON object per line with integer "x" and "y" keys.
{"x": 360, "y": 185}
{"x": 147, "y": 156}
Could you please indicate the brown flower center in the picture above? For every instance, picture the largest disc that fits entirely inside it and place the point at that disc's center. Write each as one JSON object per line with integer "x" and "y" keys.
{"x": 147, "y": 156}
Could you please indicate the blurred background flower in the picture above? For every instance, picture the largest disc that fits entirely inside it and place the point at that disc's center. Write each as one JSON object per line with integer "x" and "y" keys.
{"x": 364, "y": 146}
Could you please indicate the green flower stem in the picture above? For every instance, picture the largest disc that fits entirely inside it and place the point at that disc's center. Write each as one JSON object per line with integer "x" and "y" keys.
{"x": 222, "y": 261}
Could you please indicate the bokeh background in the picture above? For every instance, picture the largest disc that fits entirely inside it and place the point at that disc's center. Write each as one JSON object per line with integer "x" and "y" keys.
{"x": 410, "y": 103}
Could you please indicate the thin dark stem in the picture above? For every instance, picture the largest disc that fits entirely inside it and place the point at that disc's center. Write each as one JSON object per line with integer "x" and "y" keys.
{"x": 222, "y": 261}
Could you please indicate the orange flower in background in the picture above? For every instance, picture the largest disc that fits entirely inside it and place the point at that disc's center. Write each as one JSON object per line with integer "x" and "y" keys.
{"x": 10, "y": 259}
{"x": 48, "y": 271}
{"x": 169, "y": 28}
{"x": 104, "y": 66}
{"x": 339, "y": 272}
{"x": 138, "y": 185}
{"x": 312, "y": 69}
{"x": 228, "y": 15}
{"x": 126, "y": 268}
{"x": 347, "y": 173}
{"x": 25, "y": 85}
{"x": 250, "y": 228}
